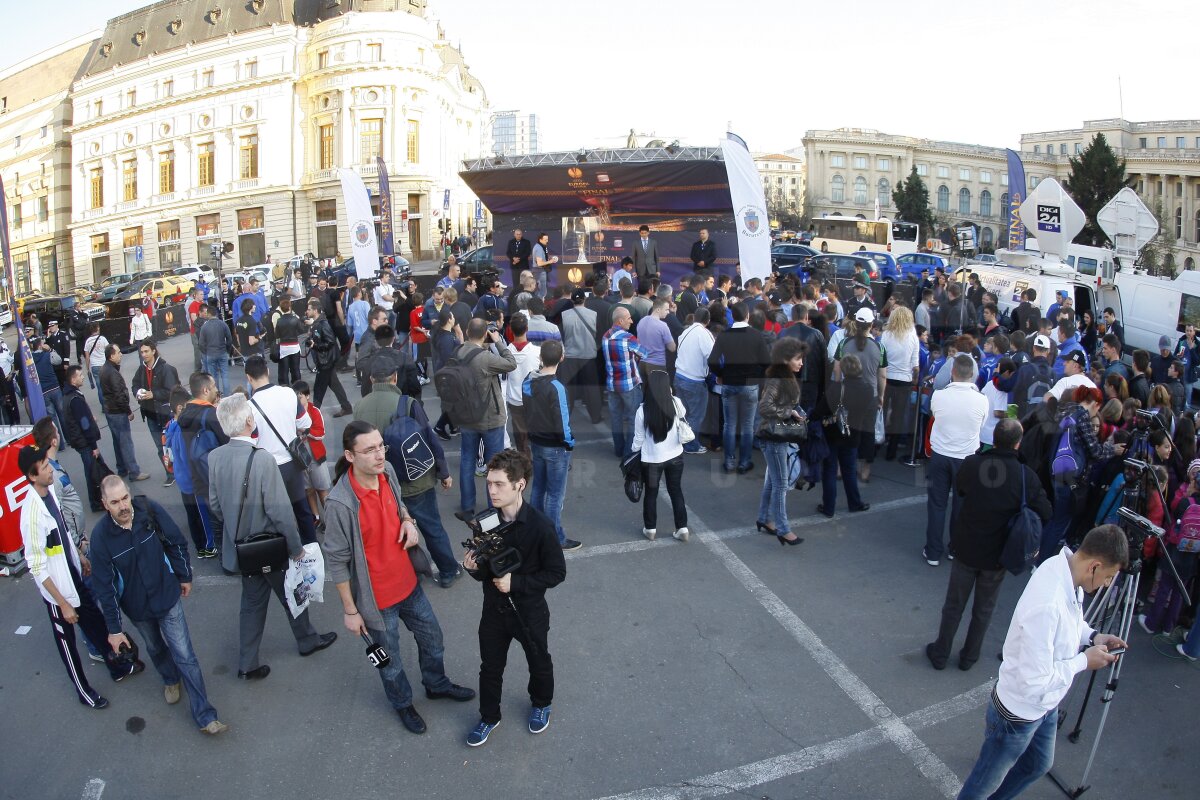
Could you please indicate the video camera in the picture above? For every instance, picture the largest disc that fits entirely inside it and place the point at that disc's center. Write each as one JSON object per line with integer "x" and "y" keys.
{"x": 494, "y": 557}
{"x": 1137, "y": 530}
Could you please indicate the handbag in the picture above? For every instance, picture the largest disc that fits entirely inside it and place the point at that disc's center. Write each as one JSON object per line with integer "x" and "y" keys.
{"x": 787, "y": 431}
{"x": 686, "y": 434}
{"x": 841, "y": 418}
{"x": 298, "y": 448}
{"x": 631, "y": 469}
{"x": 262, "y": 552}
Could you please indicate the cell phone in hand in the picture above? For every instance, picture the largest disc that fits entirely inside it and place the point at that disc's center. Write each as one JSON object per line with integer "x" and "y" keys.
{"x": 1116, "y": 651}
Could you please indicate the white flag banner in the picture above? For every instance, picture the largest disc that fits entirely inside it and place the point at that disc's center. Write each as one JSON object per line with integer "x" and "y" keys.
{"x": 749, "y": 209}
{"x": 362, "y": 224}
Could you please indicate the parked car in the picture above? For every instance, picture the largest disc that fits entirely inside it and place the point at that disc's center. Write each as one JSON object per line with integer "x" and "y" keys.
{"x": 842, "y": 268}
{"x": 6, "y": 315}
{"x": 911, "y": 264}
{"x": 791, "y": 255}
{"x": 338, "y": 275}
{"x": 58, "y": 306}
{"x": 107, "y": 289}
{"x": 263, "y": 274}
{"x": 985, "y": 258}
{"x": 194, "y": 273}
{"x": 158, "y": 288}
{"x": 477, "y": 260}
{"x": 889, "y": 270}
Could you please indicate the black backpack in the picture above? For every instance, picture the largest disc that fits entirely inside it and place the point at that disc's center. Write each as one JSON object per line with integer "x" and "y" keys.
{"x": 409, "y": 451}
{"x": 462, "y": 398}
{"x": 1024, "y": 537}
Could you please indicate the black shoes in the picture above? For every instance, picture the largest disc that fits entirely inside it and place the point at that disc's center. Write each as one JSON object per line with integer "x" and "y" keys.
{"x": 412, "y": 720}
{"x": 821, "y": 510}
{"x": 863, "y": 507}
{"x": 784, "y": 541}
{"x": 256, "y": 674}
{"x": 326, "y": 640}
{"x": 742, "y": 470}
{"x": 938, "y": 664}
{"x": 457, "y": 693}
{"x": 442, "y": 434}
{"x": 94, "y": 700}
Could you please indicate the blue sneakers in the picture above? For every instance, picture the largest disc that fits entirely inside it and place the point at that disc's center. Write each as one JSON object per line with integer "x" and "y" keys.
{"x": 480, "y": 733}
{"x": 539, "y": 719}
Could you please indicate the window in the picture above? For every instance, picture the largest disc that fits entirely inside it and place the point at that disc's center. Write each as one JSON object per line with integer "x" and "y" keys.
{"x": 1179, "y": 188}
{"x": 97, "y": 108}
{"x": 208, "y": 226}
{"x": 985, "y": 236}
{"x": 248, "y": 157}
{"x": 43, "y": 208}
{"x": 943, "y": 172}
{"x": 326, "y": 213}
{"x": 1078, "y": 148}
{"x": 1197, "y": 226}
{"x": 16, "y": 215}
{"x": 166, "y": 172}
{"x": 205, "y": 172}
{"x": 1179, "y": 223}
{"x": 323, "y": 59}
{"x": 923, "y": 170}
{"x": 131, "y": 98}
{"x": 131, "y": 239}
{"x": 985, "y": 176}
{"x": 883, "y": 164}
{"x": 168, "y": 245}
{"x": 860, "y": 190}
{"x": 1062, "y": 149}
{"x": 1004, "y": 179}
{"x": 964, "y": 173}
{"x": 207, "y": 79}
{"x": 838, "y": 191}
{"x": 964, "y": 200}
{"x": 252, "y": 240}
{"x": 1033, "y": 181}
{"x": 884, "y": 192}
{"x": 252, "y": 68}
{"x": 943, "y": 201}
{"x": 100, "y": 268}
{"x": 48, "y": 261}
{"x": 370, "y": 137}
{"x": 1142, "y": 142}
{"x": 17, "y": 142}
{"x": 45, "y": 131}
{"x": 860, "y": 162}
{"x": 1162, "y": 142}
{"x": 375, "y": 53}
{"x": 1004, "y": 210}
{"x": 96, "y": 187}
{"x": 1037, "y": 148}
{"x": 414, "y": 141}
{"x": 985, "y": 203}
{"x": 1181, "y": 142}
{"x": 837, "y": 160}
{"x": 168, "y": 88}
{"x": 325, "y": 134}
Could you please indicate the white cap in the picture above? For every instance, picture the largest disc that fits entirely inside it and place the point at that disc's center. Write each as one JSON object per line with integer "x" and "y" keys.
{"x": 1041, "y": 341}
{"x": 865, "y": 315}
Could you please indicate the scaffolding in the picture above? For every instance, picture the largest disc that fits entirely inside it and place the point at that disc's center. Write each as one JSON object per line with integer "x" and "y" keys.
{"x": 638, "y": 155}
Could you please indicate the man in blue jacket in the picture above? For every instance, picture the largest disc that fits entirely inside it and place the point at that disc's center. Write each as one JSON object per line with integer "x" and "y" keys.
{"x": 140, "y": 566}
{"x": 1068, "y": 342}
{"x": 548, "y": 421}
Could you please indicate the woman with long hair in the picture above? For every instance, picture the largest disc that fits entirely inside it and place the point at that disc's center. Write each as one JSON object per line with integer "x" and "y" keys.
{"x": 903, "y": 350}
{"x": 858, "y": 342}
{"x": 289, "y": 328}
{"x": 1089, "y": 334}
{"x": 846, "y": 411}
{"x": 779, "y": 400}
{"x": 656, "y": 436}
{"x": 1115, "y": 387}
{"x": 1160, "y": 403}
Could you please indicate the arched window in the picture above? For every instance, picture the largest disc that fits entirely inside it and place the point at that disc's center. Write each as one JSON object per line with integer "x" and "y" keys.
{"x": 1004, "y": 204}
{"x": 1169, "y": 263}
{"x": 838, "y": 192}
{"x": 860, "y": 190}
{"x": 1179, "y": 223}
{"x": 985, "y": 233}
{"x": 985, "y": 203}
{"x": 859, "y": 216}
{"x": 1189, "y": 263}
{"x": 964, "y": 200}
{"x": 1198, "y": 226}
{"x": 943, "y": 199}
{"x": 885, "y": 193}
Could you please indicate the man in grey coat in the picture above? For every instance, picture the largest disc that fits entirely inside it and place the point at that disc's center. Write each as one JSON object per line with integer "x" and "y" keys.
{"x": 488, "y": 366}
{"x": 246, "y": 495}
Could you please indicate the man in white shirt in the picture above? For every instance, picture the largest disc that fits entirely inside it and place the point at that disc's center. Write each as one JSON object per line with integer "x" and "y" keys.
{"x": 1074, "y": 367}
{"x": 691, "y": 373}
{"x": 997, "y": 400}
{"x": 383, "y": 292}
{"x": 1047, "y": 645}
{"x": 93, "y": 349}
{"x": 958, "y": 414}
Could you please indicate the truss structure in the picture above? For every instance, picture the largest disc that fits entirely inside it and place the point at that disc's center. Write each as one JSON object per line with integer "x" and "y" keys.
{"x": 599, "y": 156}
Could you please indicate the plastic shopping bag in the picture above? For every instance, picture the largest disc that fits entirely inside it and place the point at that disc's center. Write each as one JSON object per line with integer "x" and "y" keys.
{"x": 304, "y": 581}
{"x": 880, "y": 433}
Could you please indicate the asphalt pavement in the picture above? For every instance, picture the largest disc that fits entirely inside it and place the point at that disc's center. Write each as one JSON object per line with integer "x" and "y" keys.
{"x": 724, "y": 666}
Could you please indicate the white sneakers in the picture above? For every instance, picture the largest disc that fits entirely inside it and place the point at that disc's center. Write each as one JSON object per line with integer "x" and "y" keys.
{"x": 649, "y": 533}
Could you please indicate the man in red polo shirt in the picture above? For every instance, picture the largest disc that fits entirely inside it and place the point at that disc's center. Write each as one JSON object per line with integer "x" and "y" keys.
{"x": 368, "y": 533}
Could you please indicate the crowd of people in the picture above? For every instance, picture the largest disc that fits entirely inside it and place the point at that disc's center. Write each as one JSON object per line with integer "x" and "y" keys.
{"x": 715, "y": 366}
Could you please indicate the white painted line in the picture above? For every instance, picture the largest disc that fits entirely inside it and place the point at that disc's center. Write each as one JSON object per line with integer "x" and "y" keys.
{"x": 24, "y": 629}
{"x": 869, "y": 703}
{"x": 93, "y": 790}
{"x": 748, "y": 776}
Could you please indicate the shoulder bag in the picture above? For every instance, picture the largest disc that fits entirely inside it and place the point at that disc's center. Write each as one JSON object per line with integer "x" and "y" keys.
{"x": 297, "y": 448}
{"x": 262, "y": 552}
{"x": 686, "y": 434}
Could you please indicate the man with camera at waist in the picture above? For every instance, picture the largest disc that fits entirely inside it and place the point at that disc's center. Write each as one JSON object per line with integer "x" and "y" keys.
{"x": 514, "y": 604}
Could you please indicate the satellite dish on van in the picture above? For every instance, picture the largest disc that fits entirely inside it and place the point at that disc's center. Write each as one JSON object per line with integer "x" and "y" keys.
{"x": 1128, "y": 222}
{"x": 1052, "y": 216}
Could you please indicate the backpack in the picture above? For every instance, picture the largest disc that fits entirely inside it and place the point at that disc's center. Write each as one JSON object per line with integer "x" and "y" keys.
{"x": 409, "y": 451}
{"x": 1024, "y": 537}
{"x": 462, "y": 398}
{"x": 1107, "y": 513}
{"x": 1187, "y": 527}
{"x": 203, "y": 443}
{"x": 1069, "y": 459}
{"x": 1042, "y": 381}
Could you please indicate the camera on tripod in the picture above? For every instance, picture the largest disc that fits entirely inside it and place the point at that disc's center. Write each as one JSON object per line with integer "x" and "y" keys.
{"x": 494, "y": 557}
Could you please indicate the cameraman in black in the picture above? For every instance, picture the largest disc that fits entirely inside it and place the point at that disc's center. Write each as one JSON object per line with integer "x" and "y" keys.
{"x": 514, "y": 606}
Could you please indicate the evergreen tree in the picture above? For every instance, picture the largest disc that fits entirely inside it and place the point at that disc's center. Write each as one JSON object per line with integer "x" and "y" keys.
{"x": 1096, "y": 177}
{"x": 911, "y": 198}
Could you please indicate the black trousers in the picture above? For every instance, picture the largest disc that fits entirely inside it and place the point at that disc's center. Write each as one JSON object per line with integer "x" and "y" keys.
{"x": 94, "y": 627}
{"x": 896, "y": 417}
{"x": 579, "y": 376}
{"x": 498, "y": 627}
{"x": 673, "y": 471}
{"x": 964, "y": 579}
{"x": 327, "y": 379}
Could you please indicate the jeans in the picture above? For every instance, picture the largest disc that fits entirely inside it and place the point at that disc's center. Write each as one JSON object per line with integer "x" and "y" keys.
{"x": 54, "y": 407}
{"x": 622, "y": 408}
{"x": 964, "y": 579}
{"x": 772, "y": 507}
{"x": 424, "y": 509}
{"x": 1013, "y": 756}
{"x": 694, "y": 396}
{"x": 673, "y": 470}
{"x": 1188, "y": 388}
{"x": 118, "y": 426}
{"x": 96, "y": 383}
{"x": 498, "y": 626}
{"x": 740, "y": 404}
{"x": 170, "y": 648}
{"x": 846, "y": 458}
{"x": 417, "y": 615}
{"x": 550, "y": 467}
{"x": 1055, "y": 530}
{"x": 156, "y": 433}
{"x": 493, "y": 442}
{"x": 939, "y": 480}
{"x": 218, "y": 367}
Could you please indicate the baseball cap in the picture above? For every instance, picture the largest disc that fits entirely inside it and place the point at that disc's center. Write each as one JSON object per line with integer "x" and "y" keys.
{"x": 865, "y": 315}
{"x": 579, "y": 294}
{"x": 54, "y": 322}
{"x": 382, "y": 369}
{"x": 1041, "y": 341}
{"x": 1078, "y": 357}
{"x": 1061, "y": 293}
{"x": 1164, "y": 343}
{"x": 30, "y": 456}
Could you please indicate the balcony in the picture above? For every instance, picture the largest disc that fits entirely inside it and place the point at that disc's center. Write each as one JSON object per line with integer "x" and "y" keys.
{"x": 166, "y": 197}
{"x": 321, "y": 175}
{"x": 128, "y": 205}
{"x": 245, "y": 183}
{"x": 201, "y": 191}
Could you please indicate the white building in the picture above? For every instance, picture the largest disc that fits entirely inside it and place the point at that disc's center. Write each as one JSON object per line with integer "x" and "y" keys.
{"x": 783, "y": 177}
{"x": 198, "y": 122}
{"x": 515, "y": 133}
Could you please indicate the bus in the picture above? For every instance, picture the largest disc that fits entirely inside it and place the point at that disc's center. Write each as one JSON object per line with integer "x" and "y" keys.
{"x": 850, "y": 234}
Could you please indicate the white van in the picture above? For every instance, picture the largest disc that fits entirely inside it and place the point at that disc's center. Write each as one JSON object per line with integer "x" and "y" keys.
{"x": 1154, "y": 307}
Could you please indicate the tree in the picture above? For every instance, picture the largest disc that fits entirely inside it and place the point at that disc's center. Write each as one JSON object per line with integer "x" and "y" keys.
{"x": 1158, "y": 256}
{"x": 1096, "y": 177}
{"x": 911, "y": 198}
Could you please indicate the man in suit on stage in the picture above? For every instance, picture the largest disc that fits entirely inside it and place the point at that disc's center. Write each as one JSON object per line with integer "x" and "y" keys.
{"x": 645, "y": 254}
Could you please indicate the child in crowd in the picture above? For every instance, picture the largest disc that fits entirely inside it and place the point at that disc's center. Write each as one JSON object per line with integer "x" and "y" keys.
{"x": 317, "y": 476}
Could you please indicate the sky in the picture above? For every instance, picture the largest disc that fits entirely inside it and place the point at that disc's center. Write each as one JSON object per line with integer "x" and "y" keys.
{"x": 974, "y": 72}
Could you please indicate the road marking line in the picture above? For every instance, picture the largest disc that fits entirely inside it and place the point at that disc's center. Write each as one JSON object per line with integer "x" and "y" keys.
{"x": 93, "y": 790}
{"x": 748, "y": 776}
{"x": 926, "y": 761}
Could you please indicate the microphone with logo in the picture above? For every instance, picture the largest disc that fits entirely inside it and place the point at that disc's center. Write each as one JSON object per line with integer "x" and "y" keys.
{"x": 378, "y": 657}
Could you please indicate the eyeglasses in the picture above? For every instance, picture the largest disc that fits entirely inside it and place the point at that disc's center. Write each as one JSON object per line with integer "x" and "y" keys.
{"x": 373, "y": 451}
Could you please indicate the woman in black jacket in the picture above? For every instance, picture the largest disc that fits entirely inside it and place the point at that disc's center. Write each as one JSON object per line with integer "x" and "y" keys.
{"x": 780, "y": 400}
{"x": 326, "y": 350}
{"x": 847, "y": 411}
{"x": 289, "y": 329}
